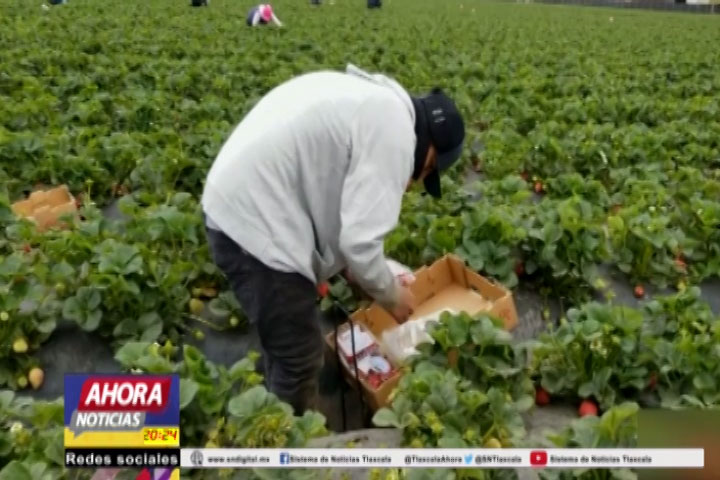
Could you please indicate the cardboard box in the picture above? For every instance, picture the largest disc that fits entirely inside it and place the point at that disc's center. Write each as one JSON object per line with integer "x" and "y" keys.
{"x": 447, "y": 283}
{"x": 45, "y": 207}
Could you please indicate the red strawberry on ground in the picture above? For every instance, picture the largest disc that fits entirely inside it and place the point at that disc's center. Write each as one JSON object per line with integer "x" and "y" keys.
{"x": 652, "y": 382}
{"x": 639, "y": 291}
{"x": 27, "y": 248}
{"x": 542, "y": 397}
{"x": 588, "y": 407}
{"x": 680, "y": 263}
{"x": 323, "y": 289}
{"x": 519, "y": 269}
{"x": 538, "y": 187}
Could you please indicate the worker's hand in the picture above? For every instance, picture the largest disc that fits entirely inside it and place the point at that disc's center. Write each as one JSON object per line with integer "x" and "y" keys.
{"x": 404, "y": 304}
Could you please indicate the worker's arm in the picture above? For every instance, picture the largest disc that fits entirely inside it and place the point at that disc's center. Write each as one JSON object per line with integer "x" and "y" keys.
{"x": 276, "y": 20}
{"x": 382, "y": 143}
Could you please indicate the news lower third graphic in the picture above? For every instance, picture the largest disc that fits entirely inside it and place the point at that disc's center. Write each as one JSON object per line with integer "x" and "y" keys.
{"x": 127, "y": 421}
{"x": 440, "y": 458}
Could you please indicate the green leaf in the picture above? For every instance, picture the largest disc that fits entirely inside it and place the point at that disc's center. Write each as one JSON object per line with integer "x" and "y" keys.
{"x": 188, "y": 390}
{"x": 524, "y": 403}
{"x": 457, "y": 331}
{"x": 15, "y": 471}
{"x": 131, "y": 352}
{"x": 119, "y": 258}
{"x": 704, "y": 381}
{"x": 248, "y": 402}
{"x": 6, "y": 398}
{"x": 55, "y": 452}
{"x": 151, "y": 325}
{"x": 451, "y": 442}
{"x": 83, "y": 308}
{"x": 386, "y": 418}
{"x": 47, "y": 325}
{"x": 219, "y": 308}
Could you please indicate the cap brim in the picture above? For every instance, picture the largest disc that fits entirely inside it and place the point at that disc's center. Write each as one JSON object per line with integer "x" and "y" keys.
{"x": 432, "y": 184}
{"x": 445, "y": 160}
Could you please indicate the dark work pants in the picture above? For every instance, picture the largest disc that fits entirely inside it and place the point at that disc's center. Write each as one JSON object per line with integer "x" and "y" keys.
{"x": 283, "y": 308}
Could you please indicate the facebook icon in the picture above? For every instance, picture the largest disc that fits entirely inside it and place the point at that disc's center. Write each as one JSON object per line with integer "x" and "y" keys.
{"x": 284, "y": 458}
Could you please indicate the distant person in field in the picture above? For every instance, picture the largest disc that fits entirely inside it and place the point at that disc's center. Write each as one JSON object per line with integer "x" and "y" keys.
{"x": 374, "y": 3}
{"x": 200, "y": 3}
{"x": 262, "y": 15}
{"x": 58, "y": 2}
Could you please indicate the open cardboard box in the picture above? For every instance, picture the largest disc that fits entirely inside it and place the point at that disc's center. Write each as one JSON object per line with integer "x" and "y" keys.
{"x": 447, "y": 283}
{"x": 45, "y": 207}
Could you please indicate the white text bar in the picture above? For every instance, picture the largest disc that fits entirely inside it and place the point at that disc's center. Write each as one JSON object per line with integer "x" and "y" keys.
{"x": 442, "y": 458}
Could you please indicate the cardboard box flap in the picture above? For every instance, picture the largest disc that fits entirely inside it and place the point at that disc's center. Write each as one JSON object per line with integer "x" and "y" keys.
{"x": 457, "y": 269}
{"x": 37, "y": 196}
{"x": 422, "y": 287}
{"x": 440, "y": 275}
{"x": 377, "y": 320}
{"x": 505, "y": 308}
{"x": 64, "y": 209}
{"x": 58, "y": 195}
{"x": 484, "y": 286}
{"x": 23, "y": 208}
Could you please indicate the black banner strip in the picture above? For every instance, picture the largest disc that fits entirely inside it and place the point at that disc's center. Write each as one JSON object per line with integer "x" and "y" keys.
{"x": 122, "y": 457}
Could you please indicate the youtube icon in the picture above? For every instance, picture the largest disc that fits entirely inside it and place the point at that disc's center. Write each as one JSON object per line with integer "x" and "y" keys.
{"x": 538, "y": 458}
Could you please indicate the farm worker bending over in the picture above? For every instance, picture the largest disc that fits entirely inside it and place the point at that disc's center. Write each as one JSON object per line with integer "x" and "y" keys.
{"x": 306, "y": 187}
{"x": 262, "y": 15}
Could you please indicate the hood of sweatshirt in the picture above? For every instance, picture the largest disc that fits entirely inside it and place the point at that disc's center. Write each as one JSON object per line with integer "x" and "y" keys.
{"x": 386, "y": 81}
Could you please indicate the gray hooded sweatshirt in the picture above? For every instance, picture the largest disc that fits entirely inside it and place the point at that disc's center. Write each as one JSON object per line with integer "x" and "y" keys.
{"x": 312, "y": 179}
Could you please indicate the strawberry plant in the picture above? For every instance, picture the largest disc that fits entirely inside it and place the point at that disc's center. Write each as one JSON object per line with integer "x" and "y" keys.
{"x": 31, "y": 440}
{"x": 593, "y": 354}
{"x": 511, "y": 188}
{"x": 472, "y": 400}
{"x": 565, "y": 243}
{"x": 645, "y": 245}
{"x": 27, "y": 316}
{"x": 221, "y": 406}
{"x": 437, "y": 407}
{"x": 573, "y": 184}
{"x": 129, "y": 279}
{"x": 616, "y": 428}
{"x": 480, "y": 350}
{"x": 681, "y": 337}
{"x": 491, "y": 237}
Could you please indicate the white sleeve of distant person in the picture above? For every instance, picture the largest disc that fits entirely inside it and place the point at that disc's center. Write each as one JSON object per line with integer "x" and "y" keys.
{"x": 380, "y": 167}
{"x": 276, "y": 20}
{"x": 256, "y": 18}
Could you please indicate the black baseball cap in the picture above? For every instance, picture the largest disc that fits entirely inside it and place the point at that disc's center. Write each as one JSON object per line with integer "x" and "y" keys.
{"x": 439, "y": 123}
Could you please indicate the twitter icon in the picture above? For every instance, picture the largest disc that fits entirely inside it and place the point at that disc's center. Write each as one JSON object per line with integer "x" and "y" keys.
{"x": 468, "y": 459}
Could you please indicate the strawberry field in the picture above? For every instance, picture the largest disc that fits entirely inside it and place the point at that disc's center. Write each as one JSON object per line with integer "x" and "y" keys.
{"x": 590, "y": 185}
